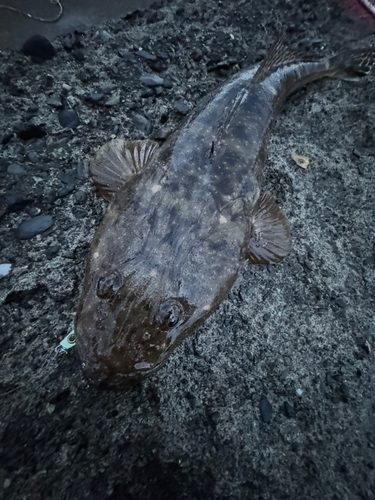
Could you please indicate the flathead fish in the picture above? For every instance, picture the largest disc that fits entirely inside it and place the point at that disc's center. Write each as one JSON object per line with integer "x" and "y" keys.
{"x": 184, "y": 217}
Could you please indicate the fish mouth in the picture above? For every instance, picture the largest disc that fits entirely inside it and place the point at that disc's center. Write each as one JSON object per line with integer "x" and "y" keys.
{"x": 101, "y": 375}
{"x": 101, "y": 379}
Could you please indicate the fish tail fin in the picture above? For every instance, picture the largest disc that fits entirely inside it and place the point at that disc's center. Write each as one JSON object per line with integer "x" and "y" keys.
{"x": 353, "y": 64}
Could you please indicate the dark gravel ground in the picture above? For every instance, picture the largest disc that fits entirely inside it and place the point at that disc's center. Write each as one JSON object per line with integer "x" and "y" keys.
{"x": 274, "y": 397}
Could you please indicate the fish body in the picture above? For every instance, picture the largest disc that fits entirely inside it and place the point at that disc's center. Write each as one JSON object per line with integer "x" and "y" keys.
{"x": 183, "y": 218}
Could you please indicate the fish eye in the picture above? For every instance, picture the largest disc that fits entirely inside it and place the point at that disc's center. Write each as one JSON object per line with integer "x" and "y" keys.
{"x": 108, "y": 285}
{"x": 169, "y": 314}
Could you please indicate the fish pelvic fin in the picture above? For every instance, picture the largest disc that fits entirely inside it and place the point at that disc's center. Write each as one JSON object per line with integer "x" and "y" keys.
{"x": 118, "y": 165}
{"x": 269, "y": 240}
{"x": 353, "y": 64}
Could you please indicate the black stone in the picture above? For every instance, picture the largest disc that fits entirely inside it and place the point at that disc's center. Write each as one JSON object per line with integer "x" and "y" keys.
{"x": 68, "y": 118}
{"x": 15, "y": 202}
{"x": 196, "y": 55}
{"x": 265, "y": 410}
{"x": 31, "y": 227}
{"x": 52, "y": 251}
{"x": 289, "y": 410}
{"x": 39, "y": 48}
{"x": 6, "y": 138}
{"x": 78, "y": 54}
{"x": 27, "y": 131}
{"x": 168, "y": 84}
{"x": 266, "y": 317}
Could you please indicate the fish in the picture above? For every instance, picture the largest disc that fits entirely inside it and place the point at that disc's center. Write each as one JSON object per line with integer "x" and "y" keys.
{"x": 183, "y": 218}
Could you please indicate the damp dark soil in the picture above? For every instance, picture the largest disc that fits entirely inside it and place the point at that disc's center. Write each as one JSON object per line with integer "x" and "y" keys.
{"x": 273, "y": 398}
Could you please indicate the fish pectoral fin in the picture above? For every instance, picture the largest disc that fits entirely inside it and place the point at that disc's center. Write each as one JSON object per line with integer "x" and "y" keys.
{"x": 270, "y": 239}
{"x": 120, "y": 162}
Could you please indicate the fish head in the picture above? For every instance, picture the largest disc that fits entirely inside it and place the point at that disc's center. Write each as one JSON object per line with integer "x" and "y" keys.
{"x": 125, "y": 327}
{"x": 140, "y": 299}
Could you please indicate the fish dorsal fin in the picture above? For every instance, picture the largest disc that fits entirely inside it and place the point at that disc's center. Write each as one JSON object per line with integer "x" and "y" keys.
{"x": 270, "y": 239}
{"x": 118, "y": 162}
{"x": 278, "y": 56}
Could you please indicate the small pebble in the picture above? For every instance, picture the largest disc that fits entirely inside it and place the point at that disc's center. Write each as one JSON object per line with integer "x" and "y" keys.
{"x": 31, "y": 227}
{"x": 168, "y": 83}
{"x": 26, "y": 131}
{"x": 141, "y": 123}
{"x": 33, "y": 156}
{"x": 50, "y": 408}
{"x": 69, "y": 179}
{"x": 151, "y": 80}
{"x": 266, "y": 317}
{"x": 265, "y": 410}
{"x": 5, "y": 269}
{"x": 146, "y": 55}
{"x": 78, "y": 54}
{"x": 182, "y": 107}
{"x": 95, "y": 97}
{"x": 6, "y": 138}
{"x": 16, "y": 169}
{"x": 39, "y": 48}
{"x": 80, "y": 196}
{"x": 68, "y": 118}
{"x": 52, "y": 251}
{"x": 289, "y": 410}
{"x": 55, "y": 102}
{"x": 113, "y": 100}
{"x": 341, "y": 303}
{"x": 34, "y": 211}
{"x": 16, "y": 202}
{"x": 106, "y": 36}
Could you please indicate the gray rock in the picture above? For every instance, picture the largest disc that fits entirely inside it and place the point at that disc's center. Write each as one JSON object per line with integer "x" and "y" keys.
{"x": 113, "y": 100}
{"x": 106, "y": 36}
{"x": 146, "y": 55}
{"x": 16, "y": 169}
{"x": 80, "y": 196}
{"x": 68, "y": 118}
{"x": 69, "y": 179}
{"x": 31, "y": 227}
{"x": 33, "y": 156}
{"x": 151, "y": 80}
{"x": 141, "y": 123}
{"x": 55, "y": 102}
{"x": 95, "y": 97}
{"x": 182, "y": 107}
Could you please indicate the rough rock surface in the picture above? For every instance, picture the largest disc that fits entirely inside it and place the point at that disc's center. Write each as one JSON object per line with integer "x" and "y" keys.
{"x": 273, "y": 398}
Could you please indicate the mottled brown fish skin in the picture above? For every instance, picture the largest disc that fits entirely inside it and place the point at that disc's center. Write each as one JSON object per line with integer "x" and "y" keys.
{"x": 182, "y": 219}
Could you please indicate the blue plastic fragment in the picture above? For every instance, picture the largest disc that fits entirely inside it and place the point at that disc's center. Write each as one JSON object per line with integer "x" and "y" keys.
{"x": 68, "y": 341}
